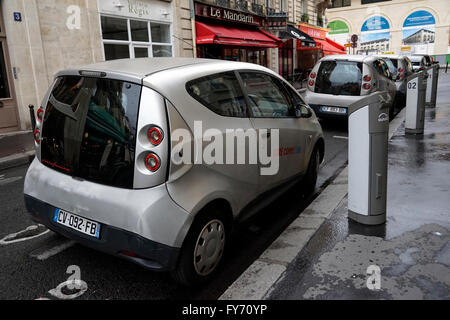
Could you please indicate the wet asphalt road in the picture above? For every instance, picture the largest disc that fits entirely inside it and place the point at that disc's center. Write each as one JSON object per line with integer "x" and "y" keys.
{"x": 24, "y": 276}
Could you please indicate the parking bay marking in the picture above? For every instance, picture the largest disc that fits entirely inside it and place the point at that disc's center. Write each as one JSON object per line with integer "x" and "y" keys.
{"x": 52, "y": 249}
{"x": 340, "y": 137}
{"x": 5, "y": 181}
{"x": 24, "y": 235}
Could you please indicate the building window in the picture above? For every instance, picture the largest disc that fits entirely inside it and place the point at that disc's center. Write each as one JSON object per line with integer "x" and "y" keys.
{"x": 304, "y": 6}
{"x": 284, "y": 6}
{"x": 131, "y": 38}
{"x": 340, "y": 3}
{"x": 372, "y": 1}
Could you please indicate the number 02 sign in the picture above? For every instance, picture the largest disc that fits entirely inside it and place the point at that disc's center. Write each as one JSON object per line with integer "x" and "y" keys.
{"x": 412, "y": 85}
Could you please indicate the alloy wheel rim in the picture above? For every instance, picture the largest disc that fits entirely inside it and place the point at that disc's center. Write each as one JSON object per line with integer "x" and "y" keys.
{"x": 209, "y": 247}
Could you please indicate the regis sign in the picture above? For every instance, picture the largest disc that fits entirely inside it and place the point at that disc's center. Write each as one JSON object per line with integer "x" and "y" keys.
{"x": 224, "y": 14}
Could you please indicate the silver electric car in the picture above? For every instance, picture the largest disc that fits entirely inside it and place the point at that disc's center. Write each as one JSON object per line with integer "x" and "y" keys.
{"x": 419, "y": 63}
{"x": 401, "y": 68}
{"x": 337, "y": 81}
{"x": 119, "y": 164}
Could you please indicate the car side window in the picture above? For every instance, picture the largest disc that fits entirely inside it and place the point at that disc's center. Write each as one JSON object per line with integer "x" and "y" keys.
{"x": 221, "y": 93}
{"x": 295, "y": 97}
{"x": 382, "y": 68}
{"x": 267, "y": 95}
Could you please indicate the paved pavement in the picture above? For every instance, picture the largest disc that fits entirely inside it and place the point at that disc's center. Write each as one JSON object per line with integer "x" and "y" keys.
{"x": 16, "y": 149}
{"x": 323, "y": 255}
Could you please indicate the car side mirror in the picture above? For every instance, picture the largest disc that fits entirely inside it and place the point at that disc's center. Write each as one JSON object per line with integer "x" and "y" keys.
{"x": 303, "y": 111}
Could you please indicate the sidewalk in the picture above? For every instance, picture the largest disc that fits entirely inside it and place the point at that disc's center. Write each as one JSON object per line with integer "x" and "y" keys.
{"x": 323, "y": 255}
{"x": 16, "y": 149}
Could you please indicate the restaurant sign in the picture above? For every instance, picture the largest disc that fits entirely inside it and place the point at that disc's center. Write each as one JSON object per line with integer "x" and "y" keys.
{"x": 313, "y": 32}
{"x": 225, "y": 14}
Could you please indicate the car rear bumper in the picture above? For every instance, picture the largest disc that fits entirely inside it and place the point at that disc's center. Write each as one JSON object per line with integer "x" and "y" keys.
{"x": 130, "y": 246}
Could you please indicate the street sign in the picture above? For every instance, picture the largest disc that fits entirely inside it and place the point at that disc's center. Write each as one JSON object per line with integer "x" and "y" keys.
{"x": 348, "y": 45}
{"x": 17, "y": 16}
{"x": 355, "y": 38}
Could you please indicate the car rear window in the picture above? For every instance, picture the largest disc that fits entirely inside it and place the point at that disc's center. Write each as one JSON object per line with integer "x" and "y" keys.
{"x": 339, "y": 77}
{"x": 221, "y": 93}
{"x": 394, "y": 62}
{"x": 89, "y": 129}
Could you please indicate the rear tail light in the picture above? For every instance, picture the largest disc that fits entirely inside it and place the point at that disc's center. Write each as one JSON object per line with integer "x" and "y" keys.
{"x": 313, "y": 75}
{"x": 37, "y": 136}
{"x": 40, "y": 114}
{"x": 152, "y": 162}
{"x": 155, "y": 135}
{"x": 367, "y": 78}
{"x": 367, "y": 86}
{"x": 311, "y": 83}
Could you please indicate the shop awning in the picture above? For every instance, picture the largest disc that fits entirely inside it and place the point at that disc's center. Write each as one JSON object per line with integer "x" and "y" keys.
{"x": 234, "y": 36}
{"x": 292, "y": 32}
{"x": 330, "y": 47}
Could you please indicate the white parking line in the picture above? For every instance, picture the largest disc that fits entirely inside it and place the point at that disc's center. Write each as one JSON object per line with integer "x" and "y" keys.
{"x": 4, "y": 181}
{"x": 15, "y": 237}
{"x": 51, "y": 250}
{"x": 340, "y": 137}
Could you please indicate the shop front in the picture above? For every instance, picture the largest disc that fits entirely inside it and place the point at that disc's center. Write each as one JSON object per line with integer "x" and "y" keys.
{"x": 307, "y": 57}
{"x": 294, "y": 42}
{"x": 136, "y": 29}
{"x": 227, "y": 34}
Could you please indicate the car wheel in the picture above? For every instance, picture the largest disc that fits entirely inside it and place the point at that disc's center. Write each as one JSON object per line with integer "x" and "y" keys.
{"x": 310, "y": 179}
{"x": 202, "y": 250}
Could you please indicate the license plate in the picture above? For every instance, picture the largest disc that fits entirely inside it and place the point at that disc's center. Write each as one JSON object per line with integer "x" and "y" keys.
{"x": 334, "y": 109}
{"x": 80, "y": 224}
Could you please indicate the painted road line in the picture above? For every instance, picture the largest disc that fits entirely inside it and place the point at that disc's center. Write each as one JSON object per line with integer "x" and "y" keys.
{"x": 258, "y": 281}
{"x": 52, "y": 249}
{"x": 29, "y": 233}
{"x": 6, "y": 181}
{"x": 340, "y": 137}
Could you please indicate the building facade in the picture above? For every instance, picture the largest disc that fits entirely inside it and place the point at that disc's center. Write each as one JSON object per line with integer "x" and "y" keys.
{"x": 40, "y": 37}
{"x": 394, "y": 26}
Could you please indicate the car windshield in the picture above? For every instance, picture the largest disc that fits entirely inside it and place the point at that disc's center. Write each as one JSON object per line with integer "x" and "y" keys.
{"x": 339, "y": 77}
{"x": 391, "y": 66}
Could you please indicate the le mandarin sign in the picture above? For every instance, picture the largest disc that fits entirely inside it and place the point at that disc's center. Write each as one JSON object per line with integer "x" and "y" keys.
{"x": 208, "y": 11}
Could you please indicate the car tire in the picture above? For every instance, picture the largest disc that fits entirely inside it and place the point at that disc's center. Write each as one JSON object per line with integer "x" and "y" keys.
{"x": 202, "y": 250}
{"x": 310, "y": 179}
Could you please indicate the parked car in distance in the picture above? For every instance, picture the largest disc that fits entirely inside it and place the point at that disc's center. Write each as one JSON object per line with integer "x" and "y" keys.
{"x": 105, "y": 174}
{"x": 338, "y": 81}
{"x": 419, "y": 63}
{"x": 401, "y": 68}
{"x": 429, "y": 60}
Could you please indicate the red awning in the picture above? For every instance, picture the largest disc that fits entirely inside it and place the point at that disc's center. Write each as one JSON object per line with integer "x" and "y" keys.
{"x": 330, "y": 47}
{"x": 235, "y": 36}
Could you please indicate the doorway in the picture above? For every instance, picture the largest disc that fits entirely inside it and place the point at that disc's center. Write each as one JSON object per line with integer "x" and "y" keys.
{"x": 9, "y": 120}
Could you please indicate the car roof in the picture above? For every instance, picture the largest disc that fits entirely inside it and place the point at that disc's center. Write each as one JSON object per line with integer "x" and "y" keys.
{"x": 135, "y": 70}
{"x": 350, "y": 57}
{"x": 390, "y": 56}
{"x": 416, "y": 58}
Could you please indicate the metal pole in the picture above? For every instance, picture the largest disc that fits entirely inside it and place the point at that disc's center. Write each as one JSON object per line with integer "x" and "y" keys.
{"x": 33, "y": 118}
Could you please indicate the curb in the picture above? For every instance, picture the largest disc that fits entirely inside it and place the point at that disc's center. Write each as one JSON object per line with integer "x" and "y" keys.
{"x": 16, "y": 160}
{"x": 258, "y": 281}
